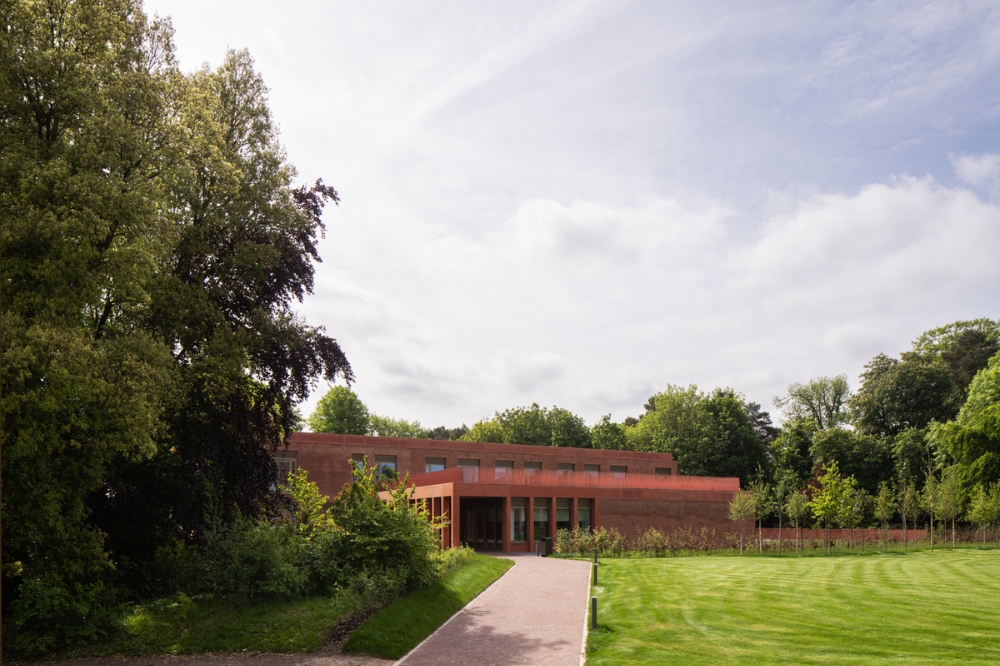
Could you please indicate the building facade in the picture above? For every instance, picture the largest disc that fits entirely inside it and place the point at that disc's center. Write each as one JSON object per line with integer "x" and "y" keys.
{"x": 507, "y": 497}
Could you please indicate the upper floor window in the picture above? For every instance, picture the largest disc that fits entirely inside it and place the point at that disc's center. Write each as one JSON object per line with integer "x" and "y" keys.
{"x": 504, "y": 466}
{"x": 664, "y": 470}
{"x": 565, "y": 467}
{"x": 619, "y": 471}
{"x": 385, "y": 467}
{"x": 591, "y": 470}
{"x": 434, "y": 464}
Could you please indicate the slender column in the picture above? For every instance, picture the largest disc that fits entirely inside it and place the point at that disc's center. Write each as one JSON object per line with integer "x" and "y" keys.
{"x": 505, "y": 524}
{"x": 552, "y": 519}
{"x": 446, "y": 509}
{"x": 593, "y": 514}
{"x": 456, "y": 519}
{"x": 572, "y": 513}
{"x": 531, "y": 524}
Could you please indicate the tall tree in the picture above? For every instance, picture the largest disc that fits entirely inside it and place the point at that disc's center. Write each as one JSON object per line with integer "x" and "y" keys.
{"x": 897, "y": 395}
{"x": 823, "y": 399}
{"x": 885, "y": 509}
{"x": 709, "y": 435}
{"x": 828, "y": 499}
{"x": 973, "y": 438}
{"x": 798, "y": 510}
{"x": 340, "y": 411}
{"x": 534, "y": 425}
{"x": 868, "y": 459}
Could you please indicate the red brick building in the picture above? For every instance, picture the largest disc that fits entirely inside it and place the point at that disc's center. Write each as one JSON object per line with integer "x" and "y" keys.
{"x": 508, "y": 496}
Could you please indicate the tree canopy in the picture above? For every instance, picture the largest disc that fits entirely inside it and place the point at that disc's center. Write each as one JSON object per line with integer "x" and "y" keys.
{"x": 154, "y": 243}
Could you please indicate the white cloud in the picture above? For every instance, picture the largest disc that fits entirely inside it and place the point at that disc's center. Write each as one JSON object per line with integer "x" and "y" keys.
{"x": 977, "y": 169}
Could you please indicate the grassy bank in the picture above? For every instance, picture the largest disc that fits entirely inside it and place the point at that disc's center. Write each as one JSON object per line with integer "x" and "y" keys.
{"x": 878, "y": 609}
{"x": 186, "y": 626}
{"x": 399, "y": 628}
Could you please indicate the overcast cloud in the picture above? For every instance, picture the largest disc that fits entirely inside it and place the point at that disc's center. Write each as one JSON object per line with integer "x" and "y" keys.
{"x": 577, "y": 203}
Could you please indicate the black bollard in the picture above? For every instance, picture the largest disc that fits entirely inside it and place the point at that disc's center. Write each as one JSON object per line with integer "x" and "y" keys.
{"x": 593, "y": 612}
{"x": 595, "y": 573}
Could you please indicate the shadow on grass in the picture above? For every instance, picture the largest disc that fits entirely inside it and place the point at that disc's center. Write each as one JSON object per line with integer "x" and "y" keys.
{"x": 402, "y": 626}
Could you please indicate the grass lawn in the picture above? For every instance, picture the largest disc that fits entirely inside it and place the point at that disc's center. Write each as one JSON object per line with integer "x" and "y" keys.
{"x": 399, "y": 628}
{"x": 183, "y": 626}
{"x": 924, "y": 608}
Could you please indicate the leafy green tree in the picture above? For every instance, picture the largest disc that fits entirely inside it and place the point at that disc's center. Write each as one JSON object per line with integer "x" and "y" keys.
{"x": 860, "y": 503}
{"x": 885, "y": 508}
{"x": 828, "y": 501}
{"x": 866, "y": 458}
{"x": 534, "y": 425}
{"x": 763, "y": 499}
{"x": 791, "y": 450}
{"x": 608, "y": 435}
{"x": 845, "y": 513}
{"x": 309, "y": 506}
{"x": 340, "y": 411}
{"x": 930, "y": 501}
{"x": 964, "y": 347}
{"x": 980, "y": 512}
{"x": 824, "y": 400}
{"x": 386, "y": 426}
{"x": 950, "y": 500}
{"x": 798, "y": 510}
{"x": 81, "y": 102}
{"x": 741, "y": 509}
{"x": 487, "y": 430}
{"x": 709, "y": 435}
{"x": 972, "y": 440}
{"x": 907, "y": 507}
{"x": 897, "y": 395}
{"x": 450, "y": 434}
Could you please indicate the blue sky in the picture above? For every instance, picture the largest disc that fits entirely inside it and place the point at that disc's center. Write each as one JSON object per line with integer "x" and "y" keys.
{"x": 577, "y": 203}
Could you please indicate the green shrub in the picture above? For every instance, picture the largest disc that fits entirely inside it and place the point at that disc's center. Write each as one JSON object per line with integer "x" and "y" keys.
{"x": 46, "y": 616}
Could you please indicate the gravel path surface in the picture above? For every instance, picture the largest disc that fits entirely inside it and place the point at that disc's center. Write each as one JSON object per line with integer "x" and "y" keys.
{"x": 533, "y": 615}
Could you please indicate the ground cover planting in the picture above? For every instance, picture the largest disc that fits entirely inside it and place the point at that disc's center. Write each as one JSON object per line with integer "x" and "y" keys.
{"x": 928, "y": 608}
{"x": 399, "y": 628}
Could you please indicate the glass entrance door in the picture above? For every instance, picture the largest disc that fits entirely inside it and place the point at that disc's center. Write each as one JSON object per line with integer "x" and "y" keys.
{"x": 482, "y": 523}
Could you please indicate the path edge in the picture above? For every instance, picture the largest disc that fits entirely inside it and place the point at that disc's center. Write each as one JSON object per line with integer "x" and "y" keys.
{"x": 457, "y": 613}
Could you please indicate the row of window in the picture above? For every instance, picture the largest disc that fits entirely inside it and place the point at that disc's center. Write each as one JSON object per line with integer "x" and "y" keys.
{"x": 519, "y": 512}
{"x": 438, "y": 464}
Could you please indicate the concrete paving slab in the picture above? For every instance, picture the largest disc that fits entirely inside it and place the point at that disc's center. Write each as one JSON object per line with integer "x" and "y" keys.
{"x": 534, "y": 614}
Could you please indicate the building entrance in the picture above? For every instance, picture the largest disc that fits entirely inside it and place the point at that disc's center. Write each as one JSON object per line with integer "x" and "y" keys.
{"x": 482, "y": 523}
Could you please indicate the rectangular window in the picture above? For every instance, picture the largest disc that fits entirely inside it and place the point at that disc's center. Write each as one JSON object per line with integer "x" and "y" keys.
{"x": 504, "y": 467}
{"x": 664, "y": 471}
{"x": 565, "y": 467}
{"x": 618, "y": 471}
{"x": 518, "y": 518}
{"x": 532, "y": 467}
{"x": 358, "y": 458}
{"x": 584, "y": 512}
{"x": 563, "y": 507}
{"x": 385, "y": 467}
{"x": 470, "y": 469}
{"x": 541, "y": 518}
{"x": 591, "y": 470}
{"x": 287, "y": 462}
{"x": 433, "y": 464}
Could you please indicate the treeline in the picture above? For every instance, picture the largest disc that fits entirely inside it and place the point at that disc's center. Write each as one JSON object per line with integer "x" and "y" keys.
{"x": 154, "y": 242}
{"x": 927, "y": 418}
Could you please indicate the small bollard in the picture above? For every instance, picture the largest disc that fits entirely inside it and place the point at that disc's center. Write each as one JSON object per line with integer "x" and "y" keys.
{"x": 593, "y": 612}
{"x": 595, "y": 573}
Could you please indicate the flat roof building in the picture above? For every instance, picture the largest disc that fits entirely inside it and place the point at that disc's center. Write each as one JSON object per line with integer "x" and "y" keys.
{"x": 506, "y": 497}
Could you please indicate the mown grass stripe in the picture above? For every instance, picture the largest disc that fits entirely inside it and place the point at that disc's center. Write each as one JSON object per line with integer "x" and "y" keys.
{"x": 878, "y": 609}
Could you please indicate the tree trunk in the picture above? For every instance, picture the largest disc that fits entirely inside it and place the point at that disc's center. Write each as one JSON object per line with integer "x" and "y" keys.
{"x": 829, "y": 546}
{"x": 905, "y": 535}
{"x": 779, "y": 534}
{"x": 953, "y": 532}
{"x": 760, "y": 535}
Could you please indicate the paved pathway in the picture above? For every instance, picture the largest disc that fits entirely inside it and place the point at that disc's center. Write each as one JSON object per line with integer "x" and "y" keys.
{"x": 533, "y": 615}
